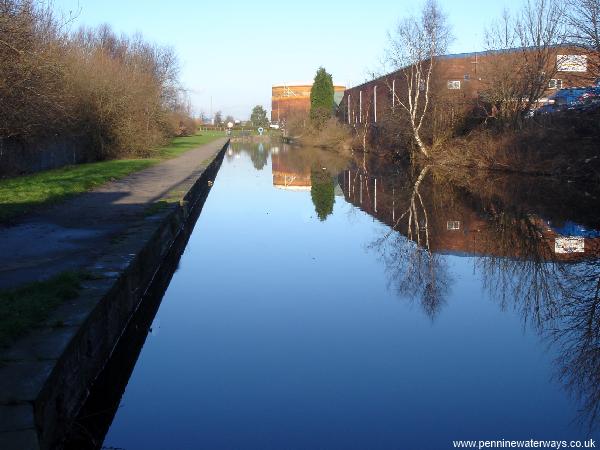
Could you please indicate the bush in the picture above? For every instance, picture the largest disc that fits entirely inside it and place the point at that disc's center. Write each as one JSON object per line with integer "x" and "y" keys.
{"x": 32, "y": 72}
{"x": 123, "y": 93}
{"x": 331, "y": 133}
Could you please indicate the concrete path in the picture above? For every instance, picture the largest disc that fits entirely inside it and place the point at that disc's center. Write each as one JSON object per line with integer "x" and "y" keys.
{"x": 74, "y": 233}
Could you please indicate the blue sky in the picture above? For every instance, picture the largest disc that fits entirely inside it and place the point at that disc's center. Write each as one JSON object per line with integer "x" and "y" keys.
{"x": 234, "y": 51}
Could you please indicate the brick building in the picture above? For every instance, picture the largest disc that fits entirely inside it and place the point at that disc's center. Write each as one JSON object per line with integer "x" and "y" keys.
{"x": 459, "y": 79}
{"x": 290, "y": 99}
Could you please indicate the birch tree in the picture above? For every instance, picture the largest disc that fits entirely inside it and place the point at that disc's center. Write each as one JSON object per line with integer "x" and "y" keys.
{"x": 413, "y": 48}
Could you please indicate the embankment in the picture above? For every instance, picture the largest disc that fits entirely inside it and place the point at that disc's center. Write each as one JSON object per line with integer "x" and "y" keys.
{"x": 46, "y": 377}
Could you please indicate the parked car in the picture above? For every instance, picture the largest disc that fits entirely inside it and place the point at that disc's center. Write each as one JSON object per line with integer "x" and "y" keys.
{"x": 578, "y": 98}
{"x": 567, "y": 97}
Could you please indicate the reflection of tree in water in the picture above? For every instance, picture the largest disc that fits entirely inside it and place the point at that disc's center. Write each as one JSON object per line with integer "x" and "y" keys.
{"x": 559, "y": 296}
{"x": 578, "y": 335}
{"x": 323, "y": 167}
{"x": 415, "y": 272}
{"x": 322, "y": 192}
{"x": 259, "y": 155}
{"x": 560, "y": 299}
{"x": 413, "y": 269}
{"x": 518, "y": 265}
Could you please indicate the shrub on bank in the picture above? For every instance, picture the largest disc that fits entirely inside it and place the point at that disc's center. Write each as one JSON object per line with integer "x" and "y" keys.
{"x": 331, "y": 133}
{"x": 564, "y": 144}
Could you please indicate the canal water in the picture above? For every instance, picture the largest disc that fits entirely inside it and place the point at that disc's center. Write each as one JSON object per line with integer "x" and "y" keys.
{"x": 325, "y": 302}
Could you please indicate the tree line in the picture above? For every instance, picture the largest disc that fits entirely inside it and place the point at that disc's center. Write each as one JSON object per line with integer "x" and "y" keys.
{"x": 121, "y": 94}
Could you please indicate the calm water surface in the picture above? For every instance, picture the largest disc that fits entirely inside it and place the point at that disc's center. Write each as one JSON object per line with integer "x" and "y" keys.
{"x": 327, "y": 303}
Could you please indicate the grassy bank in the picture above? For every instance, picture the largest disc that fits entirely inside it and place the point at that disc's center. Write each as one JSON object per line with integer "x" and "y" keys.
{"x": 26, "y": 307}
{"x": 20, "y": 195}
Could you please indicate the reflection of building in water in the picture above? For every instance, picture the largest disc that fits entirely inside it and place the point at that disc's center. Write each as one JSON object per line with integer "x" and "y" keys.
{"x": 290, "y": 99}
{"x": 456, "y": 224}
{"x": 285, "y": 176}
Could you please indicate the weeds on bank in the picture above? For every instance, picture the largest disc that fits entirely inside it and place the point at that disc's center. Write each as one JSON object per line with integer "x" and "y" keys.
{"x": 25, "y": 307}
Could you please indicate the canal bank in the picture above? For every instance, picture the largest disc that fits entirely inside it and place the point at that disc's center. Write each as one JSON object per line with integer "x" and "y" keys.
{"x": 119, "y": 235}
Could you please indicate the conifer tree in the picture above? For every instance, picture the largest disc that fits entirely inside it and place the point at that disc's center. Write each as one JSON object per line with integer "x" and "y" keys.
{"x": 321, "y": 97}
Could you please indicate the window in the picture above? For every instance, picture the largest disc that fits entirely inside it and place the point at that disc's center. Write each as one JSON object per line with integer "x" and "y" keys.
{"x": 454, "y": 84}
{"x": 555, "y": 84}
{"x": 467, "y": 76}
{"x": 422, "y": 85}
{"x": 453, "y": 225}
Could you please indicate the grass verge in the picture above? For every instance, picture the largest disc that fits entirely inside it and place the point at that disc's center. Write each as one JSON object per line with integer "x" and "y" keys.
{"x": 20, "y": 195}
{"x": 183, "y": 144}
{"x": 25, "y": 307}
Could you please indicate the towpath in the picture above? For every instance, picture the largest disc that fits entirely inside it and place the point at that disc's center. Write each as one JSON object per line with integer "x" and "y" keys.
{"x": 73, "y": 234}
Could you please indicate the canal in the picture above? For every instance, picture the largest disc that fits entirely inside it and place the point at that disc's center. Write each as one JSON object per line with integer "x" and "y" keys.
{"x": 345, "y": 303}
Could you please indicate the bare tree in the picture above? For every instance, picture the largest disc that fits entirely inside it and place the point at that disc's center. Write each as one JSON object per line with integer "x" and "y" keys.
{"x": 516, "y": 80}
{"x": 413, "y": 49}
{"x": 32, "y": 73}
{"x": 502, "y": 89}
{"x": 539, "y": 30}
{"x": 583, "y": 21}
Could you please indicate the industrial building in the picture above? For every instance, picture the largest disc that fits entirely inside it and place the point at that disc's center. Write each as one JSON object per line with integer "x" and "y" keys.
{"x": 290, "y": 99}
{"x": 459, "y": 80}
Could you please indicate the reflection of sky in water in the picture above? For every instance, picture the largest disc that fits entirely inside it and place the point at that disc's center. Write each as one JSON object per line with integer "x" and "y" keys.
{"x": 280, "y": 330}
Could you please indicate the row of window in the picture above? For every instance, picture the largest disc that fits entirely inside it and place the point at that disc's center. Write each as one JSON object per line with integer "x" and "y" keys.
{"x": 452, "y": 84}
